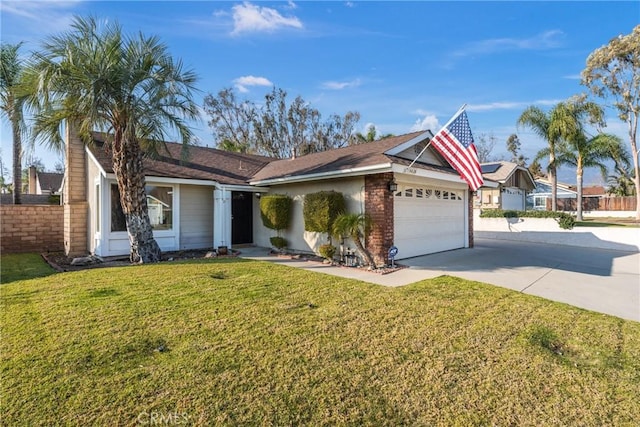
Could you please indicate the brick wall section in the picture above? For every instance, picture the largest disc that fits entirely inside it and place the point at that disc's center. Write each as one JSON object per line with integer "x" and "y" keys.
{"x": 31, "y": 228}
{"x": 75, "y": 195}
{"x": 470, "y": 214}
{"x": 378, "y": 203}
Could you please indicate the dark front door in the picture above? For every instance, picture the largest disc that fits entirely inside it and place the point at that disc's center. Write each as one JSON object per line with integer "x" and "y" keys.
{"x": 241, "y": 217}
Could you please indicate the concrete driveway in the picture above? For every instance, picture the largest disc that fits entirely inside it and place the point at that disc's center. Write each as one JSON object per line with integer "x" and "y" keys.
{"x": 601, "y": 280}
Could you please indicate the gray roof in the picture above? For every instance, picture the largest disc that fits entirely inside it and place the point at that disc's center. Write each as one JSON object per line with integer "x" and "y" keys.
{"x": 225, "y": 167}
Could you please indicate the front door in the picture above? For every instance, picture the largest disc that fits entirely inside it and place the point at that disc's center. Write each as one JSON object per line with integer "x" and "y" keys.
{"x": 241, "y": 217}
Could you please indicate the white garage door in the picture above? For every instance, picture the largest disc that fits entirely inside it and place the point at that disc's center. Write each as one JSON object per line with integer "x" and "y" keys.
{"x": 428, "y": 220}
{"x": 512, "y": 199}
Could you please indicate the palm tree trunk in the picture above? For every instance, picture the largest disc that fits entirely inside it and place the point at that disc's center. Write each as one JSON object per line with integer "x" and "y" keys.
{"x": 127, "y": 166}
{"x": 17, "y": 160}
{"x": 554, "y": 182}
{"x": 363, "y": 251}
{"x": 579, "y": 196}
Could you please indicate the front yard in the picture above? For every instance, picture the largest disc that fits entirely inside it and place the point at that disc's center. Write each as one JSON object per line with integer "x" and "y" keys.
{"x": 234, "y": 342}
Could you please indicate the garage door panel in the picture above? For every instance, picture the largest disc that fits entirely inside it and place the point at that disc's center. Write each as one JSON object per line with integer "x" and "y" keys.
{"x": 428, "y": 220}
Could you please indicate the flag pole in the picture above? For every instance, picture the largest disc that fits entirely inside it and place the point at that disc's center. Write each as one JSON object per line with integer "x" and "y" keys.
{"x": 460, "y": 110}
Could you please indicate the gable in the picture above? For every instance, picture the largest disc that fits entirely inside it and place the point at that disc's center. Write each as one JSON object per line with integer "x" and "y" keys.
{"x": 430, "y": 155}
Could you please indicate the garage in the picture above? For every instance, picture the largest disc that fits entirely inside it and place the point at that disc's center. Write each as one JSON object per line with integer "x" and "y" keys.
{"x": 428, "y": 219}
{"x": 512, "y": 199}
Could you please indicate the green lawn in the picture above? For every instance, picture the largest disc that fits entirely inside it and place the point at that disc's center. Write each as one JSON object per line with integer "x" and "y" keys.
{"x": 23, "y": 266}
{"x": 608, "y": 222}
{"x": 233, "y": 342}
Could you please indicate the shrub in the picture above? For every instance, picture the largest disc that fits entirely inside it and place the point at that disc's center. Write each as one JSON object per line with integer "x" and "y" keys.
{"x": 565, "y": 221}
{"x": 327, "y": 251}
{"x": 321, "y": 209}
{"x": 278, "y": 242}
{"x": 275, "y": 211}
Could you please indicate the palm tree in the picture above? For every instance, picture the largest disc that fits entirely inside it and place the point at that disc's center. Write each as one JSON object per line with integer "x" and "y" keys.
{"x": 577, "y": 149}
{"x": 357, "y": 227}
{"x": 584, "y": 153}
{"x": 95, "y": 78}
{"x": 370, "y": 136}
{"x": 11, "y": 72}
{"x": 541, "y": 124}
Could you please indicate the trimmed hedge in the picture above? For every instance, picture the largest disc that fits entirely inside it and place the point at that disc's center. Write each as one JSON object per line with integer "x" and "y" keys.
{"x": 321, "y": 209}
{"x": 565, "y": 221}
{"x": 275, "y": 211}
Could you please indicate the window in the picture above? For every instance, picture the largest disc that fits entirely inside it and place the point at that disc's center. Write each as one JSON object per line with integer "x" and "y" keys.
{"x": 445, "y": 195}
{"x": 438, "y": 194}
{"x": 408, "y": 192}
{"x": 428, "y": 193}
{"x": 118, "y": 222}
{"x": 419, "y": 192}
{"x": 159, "y": 203}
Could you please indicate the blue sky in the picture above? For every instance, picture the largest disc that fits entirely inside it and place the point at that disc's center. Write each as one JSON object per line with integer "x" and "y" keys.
{"x": 403, "y": 65}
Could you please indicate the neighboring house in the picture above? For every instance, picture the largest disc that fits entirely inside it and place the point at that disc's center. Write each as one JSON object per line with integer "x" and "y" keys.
{"x": 541, "y": 195}
{"x": 514, "y": 182}
{"x": 211, "y": 199}
{"x": 45, "y": 183}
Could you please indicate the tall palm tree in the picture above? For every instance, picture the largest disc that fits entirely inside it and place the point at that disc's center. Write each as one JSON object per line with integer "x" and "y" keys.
{"x": 585, "y": 153}
{"x": 97, "y": 78}
{"x": 355, "y": 226}
{"x": 11, "y": 72}
{"x": 541, "y": 124}
{"x": 577, "y": 149}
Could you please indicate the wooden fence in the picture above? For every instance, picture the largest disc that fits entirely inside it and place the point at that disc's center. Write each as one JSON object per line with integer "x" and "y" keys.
{"x": 597, "y": 204}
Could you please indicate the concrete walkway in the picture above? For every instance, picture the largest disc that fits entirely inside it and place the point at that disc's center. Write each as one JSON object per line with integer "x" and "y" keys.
{"x": 601, "y": 280}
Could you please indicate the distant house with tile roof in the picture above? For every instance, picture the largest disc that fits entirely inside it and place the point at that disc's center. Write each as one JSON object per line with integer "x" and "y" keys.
{"x": 44, "y": 183}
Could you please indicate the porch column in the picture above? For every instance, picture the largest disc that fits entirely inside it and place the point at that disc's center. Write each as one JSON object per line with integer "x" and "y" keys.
{"x": 221, "y": 218}
{"x": 75, "y": 194}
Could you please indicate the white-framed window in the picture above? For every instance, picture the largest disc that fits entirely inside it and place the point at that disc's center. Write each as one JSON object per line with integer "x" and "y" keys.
{"x": 159, "y": 203}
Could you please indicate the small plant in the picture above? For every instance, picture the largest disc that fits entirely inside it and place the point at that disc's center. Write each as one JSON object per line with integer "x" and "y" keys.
{"x": 327, "y": 251}
{"x": 278, "y": 242}
{"x": 357, "y": 227}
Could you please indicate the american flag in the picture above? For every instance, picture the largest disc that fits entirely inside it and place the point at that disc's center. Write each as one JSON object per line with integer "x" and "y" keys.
{"x": 455, "y": 143}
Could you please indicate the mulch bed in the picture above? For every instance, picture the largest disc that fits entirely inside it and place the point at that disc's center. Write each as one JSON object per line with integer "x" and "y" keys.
{"x": 60, "y": 262}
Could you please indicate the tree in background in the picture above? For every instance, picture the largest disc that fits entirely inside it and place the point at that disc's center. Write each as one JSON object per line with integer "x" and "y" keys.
{"x": 94, "y": 77}
{"x": 11, "y": 74}
{"x": 513, "y": 147}
{"x": 535, "y": 169}
{"x": 542, "y": 125}
{"x": 484, "y": 147}
{"x": 613, "y": 71}
{"x": 231, "y": 121}
{"x": 370, "y": 136}
{"x": 276, "y": 128}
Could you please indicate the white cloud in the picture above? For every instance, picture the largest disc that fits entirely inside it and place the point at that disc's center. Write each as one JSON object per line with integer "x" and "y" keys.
{"x": 249, "y": 18}
{"x": 350, "y": 4}
{"x": 429, "y": 122}
{"x": 40, "y": 17}
{"x": 291, "y": 5}
{"x": 333, "y": 85}
{"x": 244, "y": 81}
{"x": 547, "y": 40}
{"x": 511, "y": 105}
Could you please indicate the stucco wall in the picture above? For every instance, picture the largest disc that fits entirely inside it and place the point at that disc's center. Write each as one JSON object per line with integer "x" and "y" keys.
{"x": 196, "y": 217}
{"x": 297, "y": 237}
{"x": 31, "y": 228}
{"x": 547, "y": 230}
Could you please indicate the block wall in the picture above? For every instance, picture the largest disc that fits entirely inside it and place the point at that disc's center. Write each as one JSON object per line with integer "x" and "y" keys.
{"x": 31, "y": 228}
